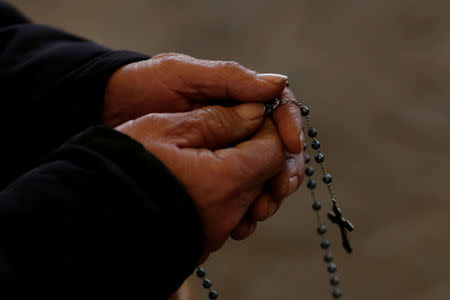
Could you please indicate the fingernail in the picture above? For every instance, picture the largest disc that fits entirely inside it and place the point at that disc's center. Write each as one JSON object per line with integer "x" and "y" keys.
{"x": 250, "y": 111}
{"x": 293, "y": 184}
{"x": 272, "y": 77}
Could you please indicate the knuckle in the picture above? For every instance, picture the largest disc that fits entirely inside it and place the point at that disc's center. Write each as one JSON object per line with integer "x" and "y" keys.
{"x": 181, "y": 130}
{"x": 168, "y": 61}
{"x": 173, "y": 58}
{"x": 232, "y": 66}
{"x": 185, "y": 125}
{"x": 164, "y": 55}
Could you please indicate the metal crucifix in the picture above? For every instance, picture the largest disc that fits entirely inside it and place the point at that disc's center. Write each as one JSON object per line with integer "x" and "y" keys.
{"x": 336, "y": 218}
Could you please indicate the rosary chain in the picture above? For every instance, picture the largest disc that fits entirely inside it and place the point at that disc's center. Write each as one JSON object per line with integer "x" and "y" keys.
{"x": 321, "y": 229}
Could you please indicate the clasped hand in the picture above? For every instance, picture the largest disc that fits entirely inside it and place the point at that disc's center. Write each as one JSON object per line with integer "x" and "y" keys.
{"x": 205, "y": 121}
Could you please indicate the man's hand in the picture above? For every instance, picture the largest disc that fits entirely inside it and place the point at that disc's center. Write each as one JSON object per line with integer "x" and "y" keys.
{"x": 222, "y": 155}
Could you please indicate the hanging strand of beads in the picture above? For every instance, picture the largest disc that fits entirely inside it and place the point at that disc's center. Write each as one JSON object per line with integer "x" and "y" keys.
{"x": 319, "y": 158}
{"x": 206, "y": 283}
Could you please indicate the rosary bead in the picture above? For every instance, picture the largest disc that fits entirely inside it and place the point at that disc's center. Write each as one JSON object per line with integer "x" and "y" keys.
{"x": 316, "y": 206}
{"x": 327, "y": 178}
{"x": 337, "y": 293}
{"x": 328, "y": 257}
{"x": 213, "y": 294}
{"x": 319, "y": 157}
{"x": 311, "y": 184}
{"x": 315, "y": 144}
{"x": 312, "y": 132}
{"x": 334, "y": 280}
{"x": 287, "y": 83}
{"x": 305, "y": 146}
{"x": 207, "y": 283}
{"x": 325, "y": 244}
{"x": 309, "y": 171}
{"x": 307, "y": 158}
{"x": 201, "y": 273}
{"x": 305, "y": 110}
{"x": 321, "y": 229}
{"x": 332, "y": 268}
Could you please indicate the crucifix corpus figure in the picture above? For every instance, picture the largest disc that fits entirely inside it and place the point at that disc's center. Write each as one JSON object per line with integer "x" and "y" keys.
{"x": 336, "y": 218}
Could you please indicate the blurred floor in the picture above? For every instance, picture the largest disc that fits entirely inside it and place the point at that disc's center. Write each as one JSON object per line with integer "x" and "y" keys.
{"x": 377, "y": 77}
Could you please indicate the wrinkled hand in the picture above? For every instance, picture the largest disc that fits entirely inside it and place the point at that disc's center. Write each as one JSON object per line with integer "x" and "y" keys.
{"x": 173, "y": 82}
{"x": 179, "y": 83}
{"x": 225, "y": 181}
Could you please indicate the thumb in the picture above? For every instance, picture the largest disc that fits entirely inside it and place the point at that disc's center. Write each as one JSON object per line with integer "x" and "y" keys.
{"x": 206, "y": 80}
{"x": 216, "y": 127}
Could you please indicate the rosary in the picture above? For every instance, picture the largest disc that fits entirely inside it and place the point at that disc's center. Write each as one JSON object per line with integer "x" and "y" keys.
{"x": 335, "y": 217}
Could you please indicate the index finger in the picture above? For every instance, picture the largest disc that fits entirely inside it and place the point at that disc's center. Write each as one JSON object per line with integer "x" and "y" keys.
{"x": 289, "y": 123}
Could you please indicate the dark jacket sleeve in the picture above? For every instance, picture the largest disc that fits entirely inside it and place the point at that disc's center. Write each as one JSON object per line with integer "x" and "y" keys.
{"x": 100, "y": 219}
{"x": 51, "y": 87}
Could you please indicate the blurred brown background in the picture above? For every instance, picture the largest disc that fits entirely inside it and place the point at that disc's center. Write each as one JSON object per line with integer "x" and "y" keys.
{"x": 376, "y": 75}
